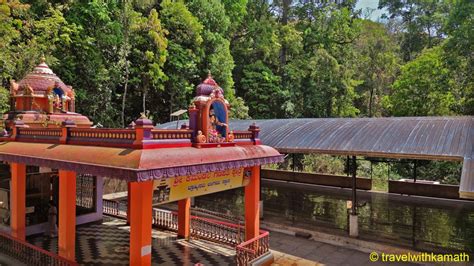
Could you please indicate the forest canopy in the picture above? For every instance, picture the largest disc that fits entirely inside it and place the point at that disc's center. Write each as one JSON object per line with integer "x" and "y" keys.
{"x": 274, "y": 59}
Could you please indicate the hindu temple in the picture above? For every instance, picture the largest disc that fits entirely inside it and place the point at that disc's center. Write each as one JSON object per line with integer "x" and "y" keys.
{"x": 51, "y": 153}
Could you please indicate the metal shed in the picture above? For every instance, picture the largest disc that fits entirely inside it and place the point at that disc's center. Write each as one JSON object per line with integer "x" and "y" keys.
{"x": 429, "y": 138}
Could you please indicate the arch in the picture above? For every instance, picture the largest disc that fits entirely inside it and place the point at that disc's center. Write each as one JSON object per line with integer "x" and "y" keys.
{"x": 58, "y": 91}
{"x": 220, "y": 110}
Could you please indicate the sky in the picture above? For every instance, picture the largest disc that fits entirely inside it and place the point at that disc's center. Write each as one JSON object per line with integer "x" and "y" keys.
{"x": 373, "y": 4}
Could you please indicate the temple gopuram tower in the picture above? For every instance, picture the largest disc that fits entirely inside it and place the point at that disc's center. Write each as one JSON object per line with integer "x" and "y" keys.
{"x": 41, "y": 99}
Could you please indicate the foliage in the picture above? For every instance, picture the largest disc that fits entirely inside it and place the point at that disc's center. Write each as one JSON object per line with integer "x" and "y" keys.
{"x": 324, "y": 164}
{"x": 377, "y": 66}
{"x": 274, "y": 59}
{"x": 261, "y": 89}
{"x": 458, "y": 50}
{"x": 421, "y": 87}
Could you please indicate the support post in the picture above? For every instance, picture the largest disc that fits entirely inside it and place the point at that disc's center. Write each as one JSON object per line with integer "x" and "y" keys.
{"x": 353, "y": 219}
{"x": 140, "y": 222}
{"x": 184, "y": 218}
{"x": 129, "y": 201}
{"x": 67, "y": 214}
{"x": 18, "y": 200}
{"x": 348, "y": 167}
{"x": 252, "y": 191}
{"x": 415, "y": 171}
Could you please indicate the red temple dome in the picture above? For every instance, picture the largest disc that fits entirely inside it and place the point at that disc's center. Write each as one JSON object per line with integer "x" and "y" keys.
{"x": 42, "y": 78}
{"x": 41, "y": 99}
{"x": 208, "y": 86}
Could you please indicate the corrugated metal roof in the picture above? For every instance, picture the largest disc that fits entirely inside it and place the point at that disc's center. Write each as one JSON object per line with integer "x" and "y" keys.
{"x": 442, "y": 138}
{"x": 449, "y": 138}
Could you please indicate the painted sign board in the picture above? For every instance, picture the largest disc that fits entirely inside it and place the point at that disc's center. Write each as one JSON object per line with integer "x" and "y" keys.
{"x": 181, "y": 187}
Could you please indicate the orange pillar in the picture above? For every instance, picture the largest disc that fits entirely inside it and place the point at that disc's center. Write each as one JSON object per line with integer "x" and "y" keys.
{"x": 129, "y": 198}
{"x": 252, "y": 198}
{"x": 140, "y": 222}
{"x": 67, "y": 214}
{"x": 184, "y": 218}
{"x": 18, "y": 200}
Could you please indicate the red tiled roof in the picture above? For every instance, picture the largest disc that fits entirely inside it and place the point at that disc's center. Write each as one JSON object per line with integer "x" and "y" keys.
{"x": 41, "y": 78}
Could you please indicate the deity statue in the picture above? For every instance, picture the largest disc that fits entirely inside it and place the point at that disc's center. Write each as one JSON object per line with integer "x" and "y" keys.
{"x": 200, "y": 138}
{"x": 231, "y": 136}
{"x": 13, "y": 87}
{"x": 50, "y": 96}
{"x": 28, "y": 90}
{"x": 57, "y": 103}
{"x": 214, "y": 134}
{"x": 63, "y": 103}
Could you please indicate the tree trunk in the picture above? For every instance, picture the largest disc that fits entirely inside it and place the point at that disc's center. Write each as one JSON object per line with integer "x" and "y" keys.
{"x": 124, "y": 98}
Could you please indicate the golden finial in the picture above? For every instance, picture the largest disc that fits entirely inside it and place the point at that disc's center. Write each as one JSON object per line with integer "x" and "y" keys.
{"x": 143, "y": 115}
{"x": 43, "y": 59}
{"x": 209, "y": 74}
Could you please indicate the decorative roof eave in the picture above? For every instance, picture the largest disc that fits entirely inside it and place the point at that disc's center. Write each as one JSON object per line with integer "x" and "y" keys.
{"x": 137, "y": 165}
{"x": 204, "y": 98}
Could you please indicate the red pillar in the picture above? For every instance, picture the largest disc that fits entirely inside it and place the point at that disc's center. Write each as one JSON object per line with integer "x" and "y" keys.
{"x": 129, "y": 198}
{"x": 18, "y": 200}
{"x": 252, "y": 198}
{"x": 140, "y": 222}
{"x": 67, "y": 214}
{"x": 184, "y": 218}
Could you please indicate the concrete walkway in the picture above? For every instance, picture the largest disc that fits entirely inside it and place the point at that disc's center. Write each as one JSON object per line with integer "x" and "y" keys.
{"x": 291, "y": 250}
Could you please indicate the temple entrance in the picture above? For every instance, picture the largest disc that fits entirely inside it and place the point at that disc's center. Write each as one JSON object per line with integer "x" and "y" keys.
{"x": 42, "y": 186}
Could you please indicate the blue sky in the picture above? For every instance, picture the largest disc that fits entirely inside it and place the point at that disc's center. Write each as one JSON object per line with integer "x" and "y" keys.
{"x": 363, "y": 4}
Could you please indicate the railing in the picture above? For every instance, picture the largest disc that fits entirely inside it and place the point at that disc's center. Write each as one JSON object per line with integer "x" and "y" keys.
{"x": 28, "y": 253}
{"x": 50, "y": 132}
{"x": 39, "y": 134}
{"x": 103, "y": 133}
{"x": 205, "y": 228}
{"x": 217, "y": 231}
{"x": 206, "y": 212}
{"x": 202, "y": 228}
{"x": 114, "y": 208}
{"x": 253, "y": 248}
{"x": 242, "y": 134}
{"x": 172, "y": 133}
{"x": 165, "y": 219}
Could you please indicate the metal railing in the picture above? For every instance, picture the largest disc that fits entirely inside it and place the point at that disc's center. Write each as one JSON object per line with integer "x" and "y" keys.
{"x": 205, "y": 228}
{"x": 28, "y": 253}
{"x": 217, "y": 231}
{"x": 252, "y": 249}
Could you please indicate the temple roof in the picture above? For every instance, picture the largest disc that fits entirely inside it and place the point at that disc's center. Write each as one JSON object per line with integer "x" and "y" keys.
{"x": 137, "y": 164}
{"x": 207, "y": 87}
{"x": 42, "y": 78}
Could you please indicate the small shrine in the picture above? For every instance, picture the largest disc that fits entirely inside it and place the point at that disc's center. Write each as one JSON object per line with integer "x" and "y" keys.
{"x": 45, "y": 137}
{"x": 41, "y": 99}
{"x": 208, "y": 114}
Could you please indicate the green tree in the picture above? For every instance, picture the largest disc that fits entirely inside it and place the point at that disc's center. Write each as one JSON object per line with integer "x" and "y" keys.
{"x": 149, "y": 54}
{"x": 458, "y": 49}
{"x": 90, "y": 61}
{"x": 262, "y": 91}
{"x": 326, "y": 89}
{"x": 423, "y": 87}
{"x": 420, "y": 23}
{"x": 377, "y": 64}
{"x": 185, "y": 53}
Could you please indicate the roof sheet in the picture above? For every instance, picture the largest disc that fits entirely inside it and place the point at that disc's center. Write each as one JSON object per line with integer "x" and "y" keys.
{"x": 450, "y": 138}
{"x": 442, "y": 138}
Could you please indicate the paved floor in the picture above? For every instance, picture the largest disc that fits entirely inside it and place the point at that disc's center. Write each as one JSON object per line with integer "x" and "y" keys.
{"x": 290, "y": 250}
{"x": 108, "y": 244}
